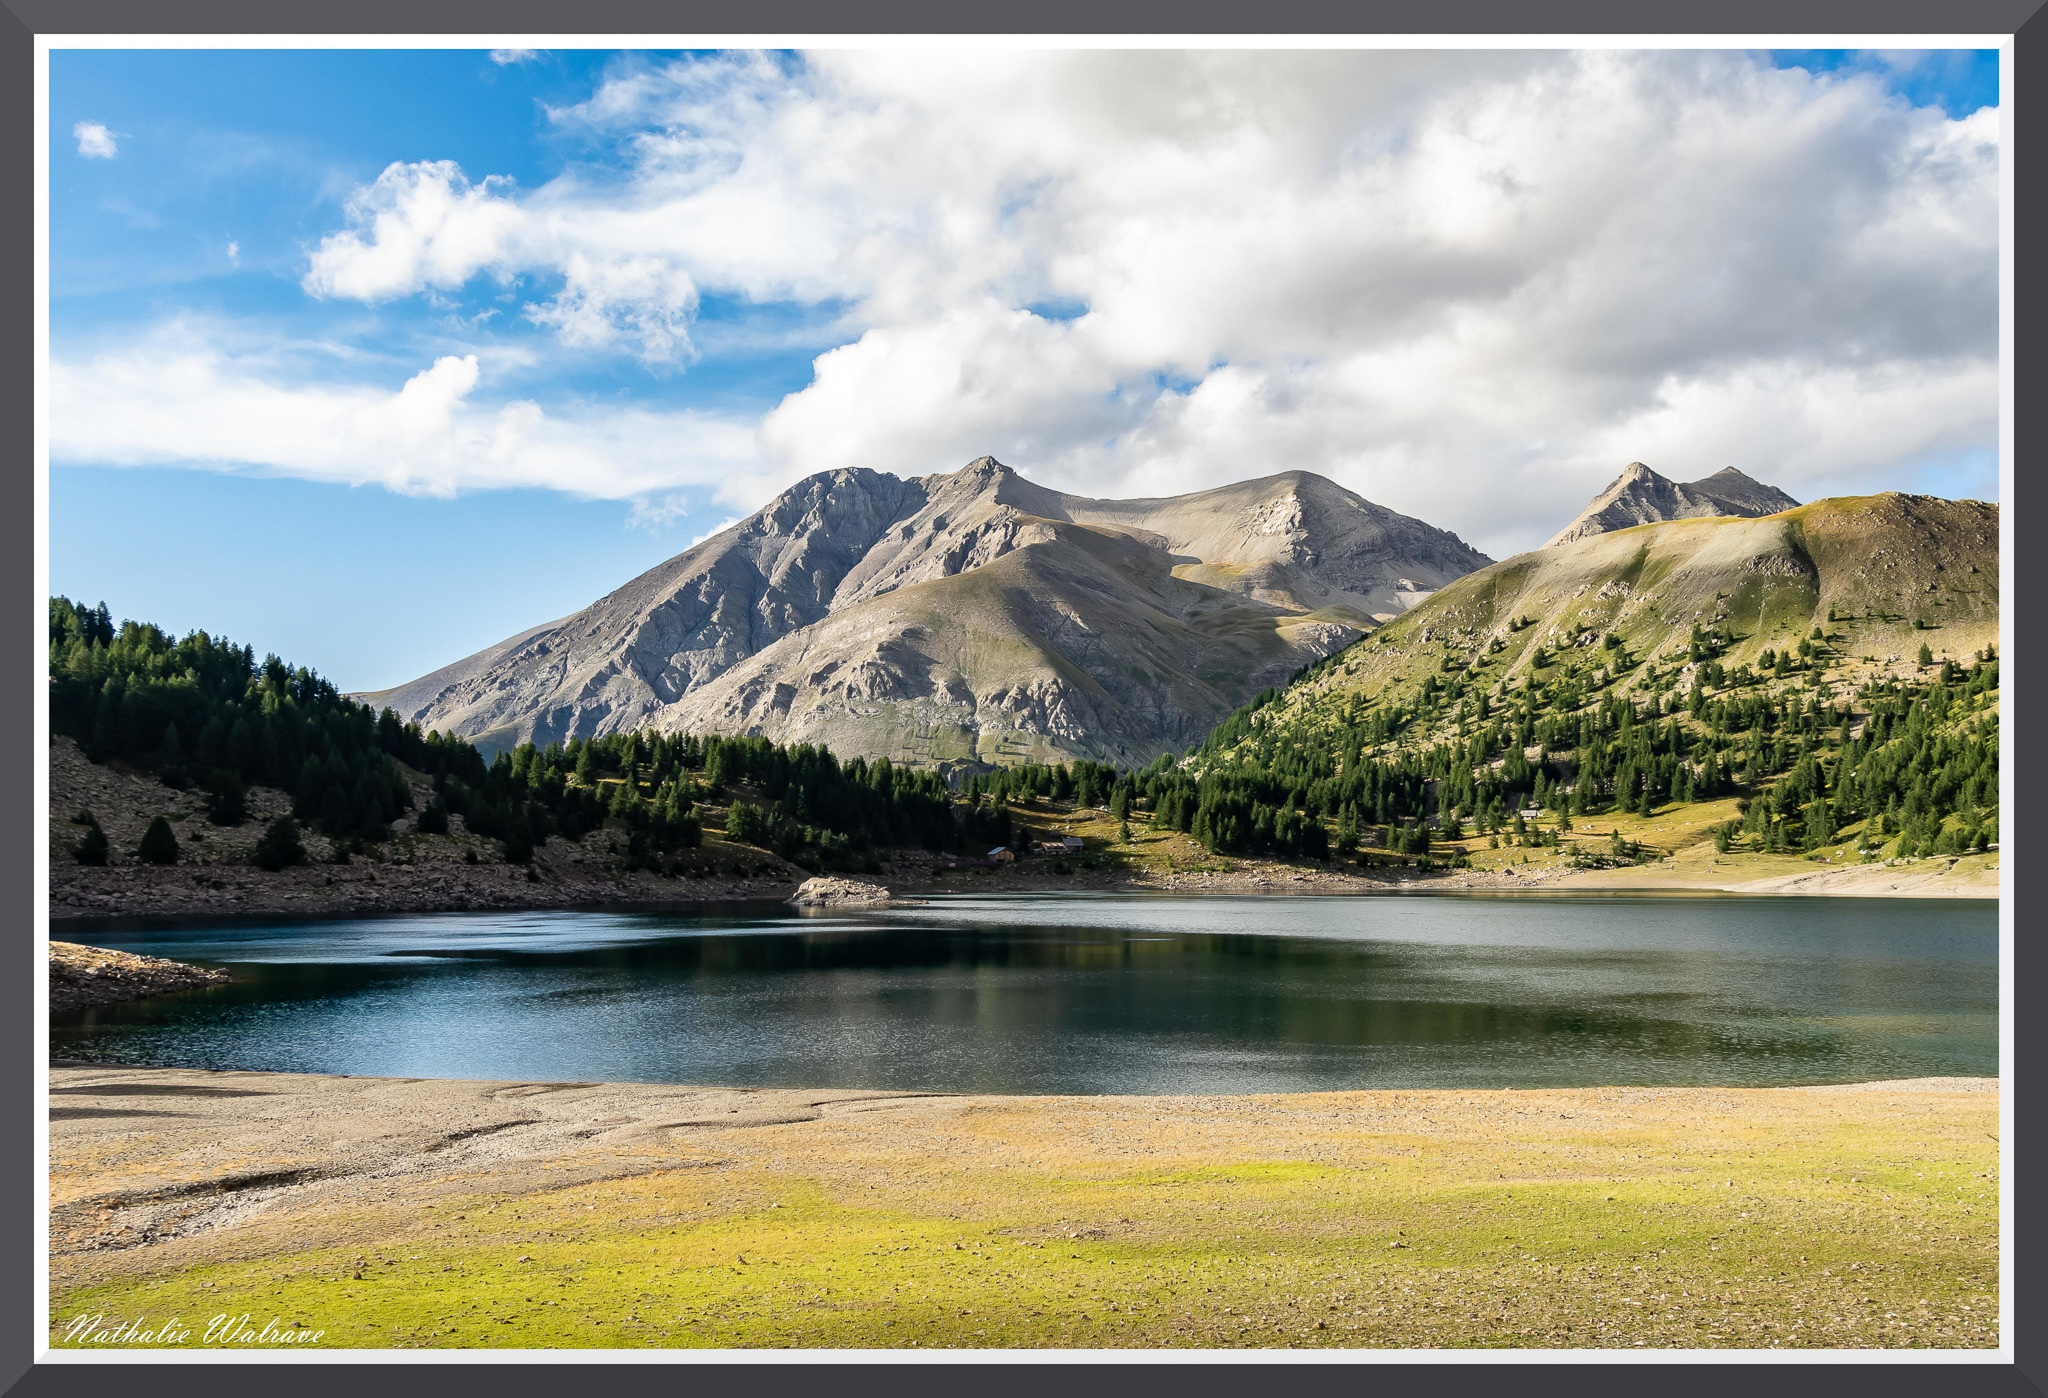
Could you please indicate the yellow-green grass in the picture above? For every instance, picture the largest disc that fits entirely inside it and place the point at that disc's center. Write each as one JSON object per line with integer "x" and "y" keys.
{"x": 1677, "y": 841}
{"x": 1606, "y": 1218}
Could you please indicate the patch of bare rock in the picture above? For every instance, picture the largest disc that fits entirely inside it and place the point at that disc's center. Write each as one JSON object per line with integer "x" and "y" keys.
{"x": 82, "y": 977}
{"x": 821, "y": 892}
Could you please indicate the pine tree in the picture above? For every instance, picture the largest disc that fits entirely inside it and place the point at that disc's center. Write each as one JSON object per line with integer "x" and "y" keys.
{"x": 227, "y": 799}
{"x": 159, "y": 843}
{"x": 279, "y": 846}
{"x": 92, "y": 847}
{"x": 1820, "y": 828}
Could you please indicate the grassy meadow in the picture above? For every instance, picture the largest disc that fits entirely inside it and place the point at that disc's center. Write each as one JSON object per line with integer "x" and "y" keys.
{"x": 1595, "y": 1218}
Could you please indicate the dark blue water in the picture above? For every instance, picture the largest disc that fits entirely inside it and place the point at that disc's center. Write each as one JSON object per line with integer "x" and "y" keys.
{"x": 1094, "y": 994}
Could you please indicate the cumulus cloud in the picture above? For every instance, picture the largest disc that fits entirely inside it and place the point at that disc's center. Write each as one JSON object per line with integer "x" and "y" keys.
{"x": 419, "y": 226}
{"x": 176, "y": 399}
{"x": 95, "y": 142}
{"x": 502, "y": 57}
{"x": 1470, "y": 286}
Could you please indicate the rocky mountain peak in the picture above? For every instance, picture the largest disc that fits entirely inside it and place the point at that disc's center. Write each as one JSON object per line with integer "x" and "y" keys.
{"x": 1640, "y": 495}
{"x": 973, "y": 602}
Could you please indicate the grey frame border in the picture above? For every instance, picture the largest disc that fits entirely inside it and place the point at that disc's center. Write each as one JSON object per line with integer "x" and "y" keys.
{"x": 21, "y": 1252}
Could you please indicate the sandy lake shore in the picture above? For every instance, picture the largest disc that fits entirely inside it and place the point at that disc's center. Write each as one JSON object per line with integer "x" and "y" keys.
{"x": 408, "y": 1212}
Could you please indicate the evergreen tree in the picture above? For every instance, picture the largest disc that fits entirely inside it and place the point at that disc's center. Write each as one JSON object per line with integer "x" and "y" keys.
{"x": 159, "y": 843}
{"x": 1820, "y": 829}
{"x": 92, "y": 847}
{"x": 280, "y": 846}
{"x": 434, "y": 817}
{"x": 227, "y": 799}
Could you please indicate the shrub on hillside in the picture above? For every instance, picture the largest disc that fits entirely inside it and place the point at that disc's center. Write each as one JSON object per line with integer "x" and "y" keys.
{"x": 159, "y": 844}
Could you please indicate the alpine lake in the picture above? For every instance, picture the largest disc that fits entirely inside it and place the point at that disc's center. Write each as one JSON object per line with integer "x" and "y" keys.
{"x": 1090, "y": 995}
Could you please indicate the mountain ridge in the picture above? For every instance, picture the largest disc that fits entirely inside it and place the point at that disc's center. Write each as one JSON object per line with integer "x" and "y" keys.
{"x": 1640, "y": 495}
{"x": 1879, "y": 574}
{"x": 1267, "y": 574}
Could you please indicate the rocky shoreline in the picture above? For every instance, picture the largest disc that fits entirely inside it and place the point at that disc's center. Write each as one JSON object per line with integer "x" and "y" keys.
{"x": 565, "y": 876}
{"x": 576, "y": 876}
{"x": 83, "y": 977}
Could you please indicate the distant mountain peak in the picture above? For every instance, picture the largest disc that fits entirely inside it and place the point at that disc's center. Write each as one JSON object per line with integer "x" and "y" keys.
{"x": 965, "y": 616}
{"x": 1640, "y": 495}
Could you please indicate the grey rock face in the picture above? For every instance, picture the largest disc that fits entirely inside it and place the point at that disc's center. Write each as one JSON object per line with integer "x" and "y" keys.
{"x": 1641, "y": 496}
{"x": 973, "y": 617}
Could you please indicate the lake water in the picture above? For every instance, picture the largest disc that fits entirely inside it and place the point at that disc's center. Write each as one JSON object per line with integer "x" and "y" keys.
{"x": 1093, "y": 994}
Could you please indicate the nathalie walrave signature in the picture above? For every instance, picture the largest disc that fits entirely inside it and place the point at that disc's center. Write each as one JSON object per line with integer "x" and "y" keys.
{"x": 221, "y": 1330}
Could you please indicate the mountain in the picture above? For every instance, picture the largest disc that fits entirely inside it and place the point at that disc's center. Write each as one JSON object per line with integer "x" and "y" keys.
{"x": 1641, "y": 496}
{"x": 1879, "y": 575}
{"x": 962, "y": 619}
{"x": 1822, "y": 681}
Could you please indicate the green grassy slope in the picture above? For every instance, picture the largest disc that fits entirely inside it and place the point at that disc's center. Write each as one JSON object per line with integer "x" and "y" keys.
{"x": 1774, "y": 662}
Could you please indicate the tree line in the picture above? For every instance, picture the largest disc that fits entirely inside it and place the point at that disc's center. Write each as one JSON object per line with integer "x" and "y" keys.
{"x": 203, "y": 712}
{"x": 1919, "y": 760}
{"x": 200, "y": 711}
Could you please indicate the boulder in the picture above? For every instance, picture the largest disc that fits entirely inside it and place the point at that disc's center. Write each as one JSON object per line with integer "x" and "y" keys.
{"x": 822, "y": 891}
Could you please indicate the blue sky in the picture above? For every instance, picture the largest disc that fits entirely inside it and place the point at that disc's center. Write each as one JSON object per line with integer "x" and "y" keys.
{"x": 374, "y": 358}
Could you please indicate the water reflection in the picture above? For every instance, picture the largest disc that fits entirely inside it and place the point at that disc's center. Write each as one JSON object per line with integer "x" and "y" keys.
{"x": 1093, "y": 994}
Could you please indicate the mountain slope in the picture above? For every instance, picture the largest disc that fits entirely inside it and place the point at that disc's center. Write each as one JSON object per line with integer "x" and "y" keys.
{"x": 1080, "y": 642}
{"x": 1821, "y": 681}
{"x": 1865, "y": 569}
{"x": 1295, "y": 540}
{"x": 1641, "y": 496}
{"x": 619, "y": 662}
{"x": 843, "y": 612}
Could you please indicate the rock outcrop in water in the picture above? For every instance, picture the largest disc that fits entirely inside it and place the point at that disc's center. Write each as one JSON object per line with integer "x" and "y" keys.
{"x": 82, "y": 976}
{"x": 830, "y": 892}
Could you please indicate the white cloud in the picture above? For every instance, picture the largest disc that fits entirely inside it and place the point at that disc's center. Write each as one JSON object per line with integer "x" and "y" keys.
{"x": 418, "y": 226}
{"x": 174, "y": 399}
{"x": 719, "y": 528}
{"x": 235, "y": 252}
{"x": 505, "y": 56}
{"x": 1470, "y": 286}
{"x": 641, "y": 299}
{"x": 655, "y": 516}
{"x": 95, "y": 142}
